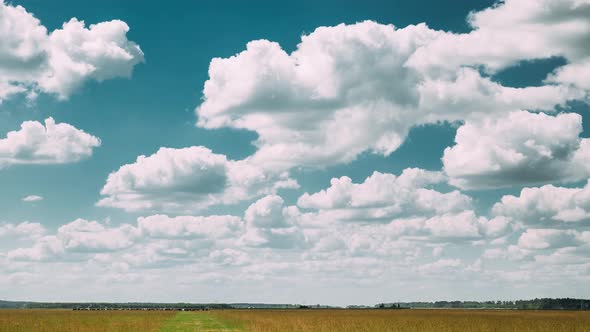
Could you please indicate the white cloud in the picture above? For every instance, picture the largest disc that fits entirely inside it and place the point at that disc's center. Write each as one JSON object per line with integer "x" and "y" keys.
{"x": 152, "y": 240}
{"x": 267, "y": 212}
{"x": 551, "y": 225}
{"x": 547, "y": 239}
{"x": 385, "y": 197}
{"x": 46, "y": 248}
{"x": 206, "y": 228}
{"x": 451, "y": 227}
{"x": 229, "y": 256}
{"x": 454, "y": 226}
{"x": 170, "y": 178}
{"x": 77, "y": 237}
{"x": 512, "y": 253}
{"x": 32, "y": 198}
{"x": 521, "y": 149}
{"x": 270, "y": 224}
{"x": 23, "y": 230}
{"x": 511, "y": 31}
{"x": 575, "y": 74}
{"x": 352, "y": 88}
{"x": 385, "y": 213}
{"x": 547, "y": 206}
{"x": 186, "y": 180}
{"x": 33, "y": 60}
{"x": 52, "y": 143}
{"x": 161, "y": 240}
{"x": 83, "y": 235}
{"x": 442, "y": 266}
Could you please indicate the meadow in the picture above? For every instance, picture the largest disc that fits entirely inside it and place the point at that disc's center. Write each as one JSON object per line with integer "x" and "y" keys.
{"x": 442, "y": 320}
{"x": 296, "y": 320}
{"x": 58, "y": 320}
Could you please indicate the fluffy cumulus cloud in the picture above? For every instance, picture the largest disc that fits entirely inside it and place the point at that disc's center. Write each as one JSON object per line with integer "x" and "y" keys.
{"x": 186, "y": 180}
{"x": 548, "y": 238}
{"x": 511, "y": 31}
{"x": 548, "y": 206}
{"x": 161, "y": 239}
{"x": 34, "y": 60}
{"x": 390, "y": 215}
{"x": 552, "y": 226}
{"x": 206, "y": 228}
{"x": 385, "y": 197}
{"x": 575, "y": 74}
{"x": 400, "y": 235}
{"x": 49, "y": 143}
{"x": 274, "y": 241}
{"x": 522, "y": 148}
{"x": 270, "y": 224}
{"x": 353, "y": 88}
{"x": 23, "y": 230}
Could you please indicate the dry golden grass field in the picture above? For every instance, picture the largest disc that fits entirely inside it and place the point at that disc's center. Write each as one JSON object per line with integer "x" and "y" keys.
{"x": 409, "y": 320}
{"x": 56, "y": 320}
{"x": 295, "y": 320}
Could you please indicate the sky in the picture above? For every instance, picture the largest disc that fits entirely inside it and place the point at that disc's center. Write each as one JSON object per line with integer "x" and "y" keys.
{"x": 334, "y": 152}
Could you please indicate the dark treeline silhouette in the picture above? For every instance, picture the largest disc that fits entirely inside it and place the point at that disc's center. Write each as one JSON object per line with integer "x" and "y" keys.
{"x": 111, "y": 306}
{"x": 534, "y": 304}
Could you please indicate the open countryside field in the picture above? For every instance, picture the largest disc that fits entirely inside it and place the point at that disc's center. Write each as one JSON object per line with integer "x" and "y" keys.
{"x": 295, "y": 320}
{"x": 50, "y": 320}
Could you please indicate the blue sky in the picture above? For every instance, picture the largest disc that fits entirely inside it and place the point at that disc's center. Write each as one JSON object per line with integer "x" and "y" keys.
{"x": 155, "y": 108}
{"x": 266, "y": 184}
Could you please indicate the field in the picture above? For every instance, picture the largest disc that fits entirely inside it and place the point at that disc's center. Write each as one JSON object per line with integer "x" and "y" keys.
{"x": 55, "y": 320}
{"x": 295, "y": 320}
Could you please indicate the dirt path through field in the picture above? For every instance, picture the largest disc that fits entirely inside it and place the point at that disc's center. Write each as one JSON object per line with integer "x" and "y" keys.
{"x": 197, "y": 321}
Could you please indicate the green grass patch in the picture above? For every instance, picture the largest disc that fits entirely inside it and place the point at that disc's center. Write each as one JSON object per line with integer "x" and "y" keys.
{"x": 197, "y": 321}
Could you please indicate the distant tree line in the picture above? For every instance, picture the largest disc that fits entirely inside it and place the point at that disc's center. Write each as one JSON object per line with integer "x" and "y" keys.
{"x": 534, "y": 304}
{"x": 111, "y": 306}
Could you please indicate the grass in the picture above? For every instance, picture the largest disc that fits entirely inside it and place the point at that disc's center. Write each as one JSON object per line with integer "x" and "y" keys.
{"x": 55, "y": 320}
{"x": 409, "y": 320}
{"x": 295, "y": 320}
{"x": 190, "y": 321}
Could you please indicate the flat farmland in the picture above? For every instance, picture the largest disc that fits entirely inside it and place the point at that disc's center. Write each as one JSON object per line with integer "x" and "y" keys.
{"x": 410, "y": 320}
{"x": 295, "y": 320}
{"x": 54, "y": 320}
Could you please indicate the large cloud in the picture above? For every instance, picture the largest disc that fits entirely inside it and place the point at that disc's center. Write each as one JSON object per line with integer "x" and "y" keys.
{"x": 161, "y": 240}
{"x": 518, "y": 30}
{"x": 511, "y": 31}
{"x": 385, "y": 214}
{"x": 52, "y": 143}
{"x": 270, "y": 224}
{"x": 575, "y": 74}
{"x": 187, "y": 227}
{"x": 33, "y": 60}
{"x": 348, "y": 89}
{"x": 553, "y": 224}
{"x": 23, "y": 230}
{"x": 158, "y": 234}
{"x": 392, "y": 215}
{"x": 84, "y": 235}
{"x": 520, "y": 149}
{"x": 385, "y": 197}
{"x": 187, "y": 179}
{"x": 547, "y": 206}
{"x": 548, "y": 239}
